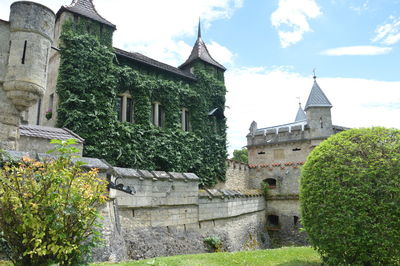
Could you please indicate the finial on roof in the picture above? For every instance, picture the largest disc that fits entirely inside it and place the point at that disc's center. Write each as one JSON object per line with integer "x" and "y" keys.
{"x": 199, "y": 30}
{"x": 298, "y": 98}
{"x": 315, "y": 77}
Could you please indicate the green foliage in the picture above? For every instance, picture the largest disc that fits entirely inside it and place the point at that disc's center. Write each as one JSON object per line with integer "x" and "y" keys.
{"x": 265, "y": 189}
{"x": 213, "y": 243}
{"x": 241, "y": 155}
{"x": 350, "y": 197}
{"x": 48, "y": 211}
{"x": 90, "y": 79}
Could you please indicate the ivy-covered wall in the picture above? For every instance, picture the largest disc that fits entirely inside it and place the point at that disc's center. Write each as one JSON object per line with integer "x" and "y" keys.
{"x": 89, "y": 81}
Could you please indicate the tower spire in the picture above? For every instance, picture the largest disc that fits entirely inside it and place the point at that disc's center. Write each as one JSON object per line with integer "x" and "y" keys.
{"x": 199, "y": 30}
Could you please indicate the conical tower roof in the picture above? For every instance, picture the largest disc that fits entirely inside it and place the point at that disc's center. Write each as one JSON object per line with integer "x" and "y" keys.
{"x": 85, "y": 8}
{"x": 200, "y": 52}
{"x": 301, "y": 115}
{"x": 317, "y": 97}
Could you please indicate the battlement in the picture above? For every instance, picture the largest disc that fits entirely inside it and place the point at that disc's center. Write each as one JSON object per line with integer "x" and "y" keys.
{"x": 279, "y": 134}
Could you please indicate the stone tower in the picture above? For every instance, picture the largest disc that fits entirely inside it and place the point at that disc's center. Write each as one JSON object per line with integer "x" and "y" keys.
{"x": 318, "y": 112}
{"x": 30, "y": 31}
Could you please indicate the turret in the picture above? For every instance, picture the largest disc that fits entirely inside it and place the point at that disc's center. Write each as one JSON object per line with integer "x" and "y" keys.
{"x": 318, "y": 112}
{"x": 301, "y": 115}
{"x": 200, "y": 53}
{"x": 31, "y": 37}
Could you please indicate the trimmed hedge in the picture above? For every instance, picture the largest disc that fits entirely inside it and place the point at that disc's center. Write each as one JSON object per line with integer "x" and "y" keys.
{"x": 350, "y": 197}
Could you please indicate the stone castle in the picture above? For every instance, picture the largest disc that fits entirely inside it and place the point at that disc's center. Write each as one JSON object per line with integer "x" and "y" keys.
{"x": 276, "y": 154}
{"x": 168, "y": 214}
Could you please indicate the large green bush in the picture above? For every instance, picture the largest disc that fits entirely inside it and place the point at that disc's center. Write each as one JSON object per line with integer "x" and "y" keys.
{"x": 350, "y": 197}
{"x": 48, "y": 211}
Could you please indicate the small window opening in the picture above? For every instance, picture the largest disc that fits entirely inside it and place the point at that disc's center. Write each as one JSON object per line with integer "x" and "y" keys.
{"x": 47, "y": 62}
{"x": 39, "y": 105}
{"x": 185, "y": 119}
{"x": 271, "y": 182}
{"x": 322, "y": 123}
{"x": 273, "y": 220}
{"x": 129, "y": 110}
{"x": 261, "y": 152}
{"x": 51, "y": 102}
{"x": 296, "y": 149}
{"x": 133, "y": 213}
{"x": 118, "y": 108}
{"x": 76, "y": 18}
{"x": 24, "y": 53}
{"x": 157, "y": 115}
{"x": 161, "y": 116}
{"x": 295, "y": 220}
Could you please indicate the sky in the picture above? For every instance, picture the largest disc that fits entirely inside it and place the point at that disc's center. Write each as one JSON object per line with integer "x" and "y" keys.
{"x": 270, "y": 49}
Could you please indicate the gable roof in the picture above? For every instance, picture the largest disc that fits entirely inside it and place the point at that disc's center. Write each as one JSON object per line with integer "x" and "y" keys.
{"x": 317, "y": 98}
{"x": 137, "y": 57}
{"x": 85, "y": 8}
{"x": 48, "y": 133}
{"x": 301, "y": 115}
{"x": 200, "y": 52}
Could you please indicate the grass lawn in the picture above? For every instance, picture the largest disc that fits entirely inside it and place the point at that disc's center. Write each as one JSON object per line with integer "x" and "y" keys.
{"x": 289, "y": 256}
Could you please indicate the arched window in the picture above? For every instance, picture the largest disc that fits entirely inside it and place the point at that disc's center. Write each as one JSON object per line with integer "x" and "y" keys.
{"x": 271, "y": 182}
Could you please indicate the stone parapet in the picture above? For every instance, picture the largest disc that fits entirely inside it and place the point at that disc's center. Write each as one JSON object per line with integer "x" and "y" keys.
{"x": 222, "y": 204}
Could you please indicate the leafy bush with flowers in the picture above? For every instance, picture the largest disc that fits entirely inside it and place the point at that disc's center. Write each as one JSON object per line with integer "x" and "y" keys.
{"x": 48, "y": 210}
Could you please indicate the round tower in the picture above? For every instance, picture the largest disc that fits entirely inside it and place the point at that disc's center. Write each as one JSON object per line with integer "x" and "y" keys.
{"x": 32, "y": 32}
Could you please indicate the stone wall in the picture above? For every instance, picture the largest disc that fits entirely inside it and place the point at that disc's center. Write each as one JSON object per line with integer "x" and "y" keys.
{"x": 9, "y": 116}
{"x": 237, "y": 176}
{"x": 168, "y": 215}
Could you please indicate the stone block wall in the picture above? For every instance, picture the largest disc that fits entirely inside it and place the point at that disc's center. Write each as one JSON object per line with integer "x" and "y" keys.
{"x": 168, "y": 215}
{"x": 237, "y": 175}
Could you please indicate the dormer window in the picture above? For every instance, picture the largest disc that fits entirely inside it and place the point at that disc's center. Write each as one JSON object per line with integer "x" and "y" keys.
{"x": 125, "y": 108}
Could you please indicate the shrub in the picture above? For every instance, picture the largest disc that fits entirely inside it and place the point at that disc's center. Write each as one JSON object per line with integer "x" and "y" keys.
{"x": 48, "y": 210}
{"x": 213, "y": 243}
{"x": 350, "y": 197}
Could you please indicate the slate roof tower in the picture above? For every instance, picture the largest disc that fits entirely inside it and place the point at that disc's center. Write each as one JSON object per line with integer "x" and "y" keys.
{"x": 318, "y": 112}
{"x": 301, "y": 115}
{"x": 87, "y": 9}
{"x": 200, "y": 53}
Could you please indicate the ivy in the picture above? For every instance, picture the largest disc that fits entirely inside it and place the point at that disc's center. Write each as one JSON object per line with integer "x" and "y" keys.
{"x": 89, "y": 81}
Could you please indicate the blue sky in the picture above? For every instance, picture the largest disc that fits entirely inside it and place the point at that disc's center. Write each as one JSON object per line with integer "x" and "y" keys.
{"x": 270, "y": 48}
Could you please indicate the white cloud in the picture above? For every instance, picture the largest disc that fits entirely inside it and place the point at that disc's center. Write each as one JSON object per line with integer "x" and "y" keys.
{"x": 360, "y": 7}
{"x": 269, "y": 96}
{"x": 388, "y": 33}
{"x": 221, "y": 54}
{"x": 294, "y": 14}
{"x": 357, "y": 50}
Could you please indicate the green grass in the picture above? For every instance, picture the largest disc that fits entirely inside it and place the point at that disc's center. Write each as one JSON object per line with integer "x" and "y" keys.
{"x": 289, "y": 256}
